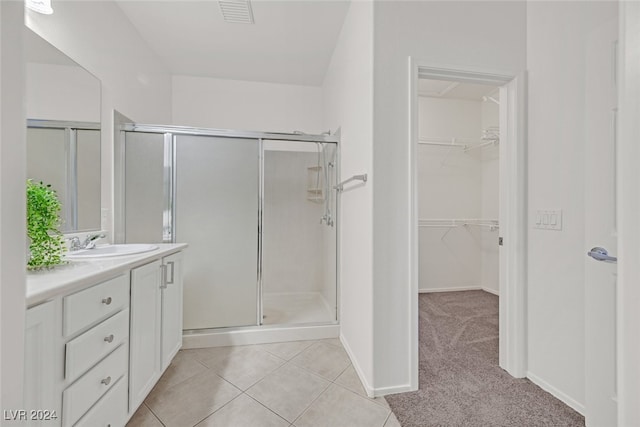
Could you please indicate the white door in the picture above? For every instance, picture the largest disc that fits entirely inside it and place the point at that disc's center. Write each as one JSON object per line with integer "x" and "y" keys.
{"x": 600, "y": 227}
{"x": 217, "y": 208}
{"x": 144, "y": 344}
{"x": 171, "y": 308}
{"x": 42, "y": 364}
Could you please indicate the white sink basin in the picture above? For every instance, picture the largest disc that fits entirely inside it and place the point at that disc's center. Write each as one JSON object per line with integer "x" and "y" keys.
{"x": 111, "y": 250}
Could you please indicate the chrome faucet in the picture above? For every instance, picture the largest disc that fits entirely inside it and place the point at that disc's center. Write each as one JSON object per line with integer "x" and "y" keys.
{"x": 89, "y": 242}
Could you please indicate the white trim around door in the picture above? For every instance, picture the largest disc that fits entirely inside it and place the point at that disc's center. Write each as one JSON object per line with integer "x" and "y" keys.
{"x": 513, "y": 209}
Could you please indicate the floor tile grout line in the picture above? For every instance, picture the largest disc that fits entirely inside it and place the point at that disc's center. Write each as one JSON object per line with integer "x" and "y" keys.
{"x": 284, "y": 361}
{"x": 367, "y": 398}
{"x": 312, "y": 402}
{"x": 305, "y": 371}
{"x": 343, "y": 371}
{"x": 152, "y": 413}
{"x": 179, "y": 382}
{"x": 241, "y": 393}
{"x": 387, "y": 419}
{"x": 310, "y": 341}
{"x": 308, "y": 371}
{"x": 266, "y": 407}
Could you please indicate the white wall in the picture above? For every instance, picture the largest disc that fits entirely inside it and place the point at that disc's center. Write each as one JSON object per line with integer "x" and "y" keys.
{"x": 449, "y": 187}
{"x": 98, "y": 36}
{"x": 12, "y": 205}
{"x": 556, "y": 57}
{"x": 348, "y": 104}
{"x": 245, "y": 105}
{"x": 487, "y": 35}
{"x": 453, "y": 184}
{"x": 62, "y": 92}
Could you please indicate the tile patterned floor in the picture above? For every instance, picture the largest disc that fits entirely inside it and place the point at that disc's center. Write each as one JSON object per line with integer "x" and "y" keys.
{"x": 293, "y": 384}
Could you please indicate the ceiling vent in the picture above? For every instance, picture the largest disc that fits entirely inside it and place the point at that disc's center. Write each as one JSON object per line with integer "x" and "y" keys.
{"x": 236, "y": 11}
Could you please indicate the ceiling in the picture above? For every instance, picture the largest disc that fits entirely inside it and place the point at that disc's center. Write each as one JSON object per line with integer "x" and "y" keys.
{"x": 291, "y": 41}
{"x": 454, "y": 90}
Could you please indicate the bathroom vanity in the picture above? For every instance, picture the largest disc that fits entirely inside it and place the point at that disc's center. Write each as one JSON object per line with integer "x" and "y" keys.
{"x": 99, "y": 334}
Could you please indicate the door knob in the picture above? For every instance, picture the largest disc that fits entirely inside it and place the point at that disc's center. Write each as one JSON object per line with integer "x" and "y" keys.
{"x": 601, "y": 254}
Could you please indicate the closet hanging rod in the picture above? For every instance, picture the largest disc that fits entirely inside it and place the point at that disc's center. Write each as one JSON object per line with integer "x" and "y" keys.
{"x": 362, "y": 177}
{"x": 442, "y": 222}
{"x": 482, "y": 145}
{"x": 448, "y": 142}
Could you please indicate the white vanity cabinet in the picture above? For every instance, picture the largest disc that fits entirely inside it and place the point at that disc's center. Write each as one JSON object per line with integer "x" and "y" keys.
{"x": 42, "y": 367}
{"x": 156, "y": 323}
{"x": 171, "y": 308}
{"x": 95, "y": 329}
{"x": 146, "y": 331}
{"x": 94, "y": 351}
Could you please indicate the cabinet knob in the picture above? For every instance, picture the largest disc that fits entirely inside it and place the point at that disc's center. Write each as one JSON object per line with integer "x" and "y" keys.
{"x": 106, "y": 301}
{"x": 109, "y": 338}
{"x": 106, "y": 381}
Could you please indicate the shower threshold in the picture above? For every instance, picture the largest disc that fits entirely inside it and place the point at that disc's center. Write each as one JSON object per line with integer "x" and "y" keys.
{"x": 221, "y": 337}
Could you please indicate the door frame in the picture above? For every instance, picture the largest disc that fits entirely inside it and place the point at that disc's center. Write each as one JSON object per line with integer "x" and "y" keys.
{"x": 513, "y": 207}
{"x": 628, "y": 176}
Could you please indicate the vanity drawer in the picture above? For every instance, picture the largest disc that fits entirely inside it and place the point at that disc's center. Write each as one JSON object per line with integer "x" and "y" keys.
{"x": 84, "y": 351}
{"x": 111, "y": 410}
{"x": 82, "y": 394}
{"x": 85, "y": 307}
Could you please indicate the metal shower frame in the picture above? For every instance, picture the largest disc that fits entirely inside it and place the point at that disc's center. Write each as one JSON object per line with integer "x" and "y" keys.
{"x": 169, "y": 184}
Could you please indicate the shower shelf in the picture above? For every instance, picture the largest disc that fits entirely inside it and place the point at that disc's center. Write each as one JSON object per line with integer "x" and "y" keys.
{"x": 315, "y": 192}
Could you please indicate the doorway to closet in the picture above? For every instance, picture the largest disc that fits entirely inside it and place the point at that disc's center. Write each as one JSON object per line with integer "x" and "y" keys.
{"x": 467, "y": 168}
{"x": 458, "y": 161}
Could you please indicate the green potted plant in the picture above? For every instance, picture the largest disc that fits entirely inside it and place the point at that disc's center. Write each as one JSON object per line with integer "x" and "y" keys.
{"x": 46, "y": 243}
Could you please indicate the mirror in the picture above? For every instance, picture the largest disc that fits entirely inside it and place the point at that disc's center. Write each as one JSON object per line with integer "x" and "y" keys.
{"x": 63, "y": 131}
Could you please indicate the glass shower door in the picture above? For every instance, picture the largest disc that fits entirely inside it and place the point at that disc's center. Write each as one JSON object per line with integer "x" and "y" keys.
{"x": 217, "y": 183}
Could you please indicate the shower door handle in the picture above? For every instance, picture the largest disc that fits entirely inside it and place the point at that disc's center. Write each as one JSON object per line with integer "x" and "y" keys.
{"x": 601, "y": 254}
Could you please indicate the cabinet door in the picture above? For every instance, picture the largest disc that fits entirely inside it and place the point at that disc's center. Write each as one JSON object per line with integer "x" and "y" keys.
{"x": 145, "y": 334}
{"x": 171, "y": 308}
{"x": 41, "y": 375}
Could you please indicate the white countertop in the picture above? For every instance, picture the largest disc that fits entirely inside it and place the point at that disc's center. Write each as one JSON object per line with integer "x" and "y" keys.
{"x": 47, "y": 284}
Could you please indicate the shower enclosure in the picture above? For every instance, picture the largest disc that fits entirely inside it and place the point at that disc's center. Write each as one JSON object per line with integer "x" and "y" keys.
{"x": 258, "y": 211}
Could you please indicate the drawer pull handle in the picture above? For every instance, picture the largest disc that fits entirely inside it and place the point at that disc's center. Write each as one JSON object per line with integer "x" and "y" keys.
{"x": 107, "y": 301}
{"x": 106, "y": 381}
{"x": 109, "y": 339}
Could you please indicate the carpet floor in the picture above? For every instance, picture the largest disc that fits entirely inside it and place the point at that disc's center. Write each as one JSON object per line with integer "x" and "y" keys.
{"x": 460, "y": 381}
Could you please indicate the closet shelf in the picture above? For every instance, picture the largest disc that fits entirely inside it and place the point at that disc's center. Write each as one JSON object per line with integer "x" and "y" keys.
{"x": 492, "y": 224}
{"x": 489, "y": 138}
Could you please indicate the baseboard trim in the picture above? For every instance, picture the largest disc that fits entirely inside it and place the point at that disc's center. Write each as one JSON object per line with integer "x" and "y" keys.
{"x": 456, "y": 289}
{"x": 491, "y": 291}
{"x": 384, "y": 391}
{"x": 367, "y": 388}
{"x": 372, "y": 392}
{"x": 556, "y": 393}
{"x": 258, "y": 335}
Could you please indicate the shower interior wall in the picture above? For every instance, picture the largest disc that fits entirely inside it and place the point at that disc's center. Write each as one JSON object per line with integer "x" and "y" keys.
{"x": 298, "y": 251}
{"x": 453, "y": 184}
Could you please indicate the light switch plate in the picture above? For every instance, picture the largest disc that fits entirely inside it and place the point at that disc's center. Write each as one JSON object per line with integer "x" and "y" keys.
{"x": 548, "y": 219}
